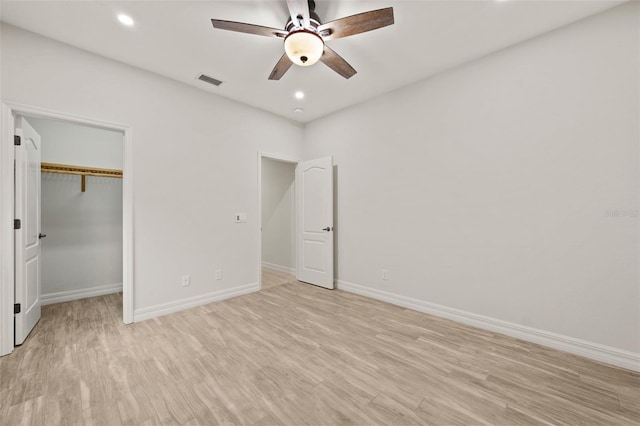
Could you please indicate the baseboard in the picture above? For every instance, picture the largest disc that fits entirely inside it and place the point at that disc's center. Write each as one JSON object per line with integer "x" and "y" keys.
{"x": 192, "y": 302}
{"x": 83, "y": 293}
{"x": 279, "y": 268}
{"x": 594, "y": 351}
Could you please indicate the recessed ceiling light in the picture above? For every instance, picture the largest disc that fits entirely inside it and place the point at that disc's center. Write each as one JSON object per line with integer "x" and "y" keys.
{"x": 125, "y": 20}
{"x": 298, "y": 110}
{"x": 299, "y": 95}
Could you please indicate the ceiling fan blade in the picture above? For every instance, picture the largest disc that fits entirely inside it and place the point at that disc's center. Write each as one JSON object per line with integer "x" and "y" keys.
{"x": 356, "y": 24}
{"x": 248, "y": 28}
{"x": 337, "y": 63}
{"x": 299, "y": 8}
{"x": 281, "y": 67}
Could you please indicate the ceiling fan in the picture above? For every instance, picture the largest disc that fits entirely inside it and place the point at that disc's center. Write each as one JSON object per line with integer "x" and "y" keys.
{"x": 304, "y": 35}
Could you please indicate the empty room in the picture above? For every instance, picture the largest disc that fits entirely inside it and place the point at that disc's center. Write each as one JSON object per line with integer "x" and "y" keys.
{"x": 298, "y": 212}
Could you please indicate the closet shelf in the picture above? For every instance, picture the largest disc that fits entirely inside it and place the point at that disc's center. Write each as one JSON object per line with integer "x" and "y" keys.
{"x": 67, "y": 169}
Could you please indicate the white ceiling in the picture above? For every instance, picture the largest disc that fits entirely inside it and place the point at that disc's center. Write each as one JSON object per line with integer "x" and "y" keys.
{"x": 175, "y": 39}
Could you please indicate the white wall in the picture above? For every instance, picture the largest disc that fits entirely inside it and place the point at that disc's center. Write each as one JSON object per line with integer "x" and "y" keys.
{"x": 73, "y": 144}
{"x": 82, "y": 253}
{"x": 488, "y": 188}
{"x": 278, "y": 224}
{"x": 83, "y": 250}
{"x": 194, "y": 162}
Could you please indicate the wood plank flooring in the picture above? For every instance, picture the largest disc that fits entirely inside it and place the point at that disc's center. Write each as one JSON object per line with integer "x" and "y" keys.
{"x": 272, "y": 278}
{"x": 296, "y": 354}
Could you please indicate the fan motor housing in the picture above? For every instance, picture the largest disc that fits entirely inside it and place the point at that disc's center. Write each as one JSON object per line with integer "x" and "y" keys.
{"x": 314, "y": 19}
{"x": 315, "y": 23}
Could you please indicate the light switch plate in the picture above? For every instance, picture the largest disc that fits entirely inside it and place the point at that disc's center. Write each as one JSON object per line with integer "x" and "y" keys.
{"x": 241, "y": 217}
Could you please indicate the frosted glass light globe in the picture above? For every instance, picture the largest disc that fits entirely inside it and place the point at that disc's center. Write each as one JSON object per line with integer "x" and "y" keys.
{"x": 303, "y": 47}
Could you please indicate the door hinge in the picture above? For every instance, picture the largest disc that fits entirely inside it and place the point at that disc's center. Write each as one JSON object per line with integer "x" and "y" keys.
{"x": 17, "y": 140}
{"x": 17, "y": 224}
{"x": 16, "y": 308}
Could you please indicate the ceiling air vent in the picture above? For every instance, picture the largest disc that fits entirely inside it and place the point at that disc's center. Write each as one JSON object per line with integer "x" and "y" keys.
{"x": 209, "y": 80}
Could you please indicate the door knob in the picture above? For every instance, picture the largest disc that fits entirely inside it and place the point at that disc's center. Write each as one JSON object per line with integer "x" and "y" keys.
{"x": 328, "y": 228}
{"x": 41, "y": 236}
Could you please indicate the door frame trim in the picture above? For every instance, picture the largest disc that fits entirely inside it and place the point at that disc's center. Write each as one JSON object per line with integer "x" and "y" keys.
{"x": 284, "y": 159}
{"x": 7, "y": 155}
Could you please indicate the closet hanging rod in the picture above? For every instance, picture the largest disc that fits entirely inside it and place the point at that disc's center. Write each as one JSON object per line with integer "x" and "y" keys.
{"x": 79, "y": 170}
{"x": 67, "y": 169}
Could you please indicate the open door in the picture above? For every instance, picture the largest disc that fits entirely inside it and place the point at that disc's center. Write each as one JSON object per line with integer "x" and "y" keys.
{"x": 314, "y": 211}
{"x": 27, "y": 237}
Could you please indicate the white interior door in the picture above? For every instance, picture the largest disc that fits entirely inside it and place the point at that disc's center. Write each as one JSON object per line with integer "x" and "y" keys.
{"x": 314, "y": 212}
{"x": 27, "y": 238}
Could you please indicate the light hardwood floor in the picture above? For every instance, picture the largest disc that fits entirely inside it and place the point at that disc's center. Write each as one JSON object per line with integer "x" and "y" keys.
{"x": 272, "y": 278}
{"x": 297, "y": 354}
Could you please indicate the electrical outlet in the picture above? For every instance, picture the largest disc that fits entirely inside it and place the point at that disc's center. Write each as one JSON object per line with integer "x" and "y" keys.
{"x": 385, "y": 274}
{"x": 186, "y": 280}
{"x": 218, "y": 274}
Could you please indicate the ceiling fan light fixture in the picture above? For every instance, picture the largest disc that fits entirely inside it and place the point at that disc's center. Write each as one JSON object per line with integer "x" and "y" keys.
{"x": 304, "y": 35}
{"x": 303, "y": 47}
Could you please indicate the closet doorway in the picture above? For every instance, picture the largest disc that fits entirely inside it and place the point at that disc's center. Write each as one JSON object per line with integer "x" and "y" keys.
{"x": 81, "y": 215}
{"x": 277, "y": 207}
{"x": 10, "y": 150}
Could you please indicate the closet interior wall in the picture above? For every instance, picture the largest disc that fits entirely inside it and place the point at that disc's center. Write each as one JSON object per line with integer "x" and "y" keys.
{"x": 82, "y": 253}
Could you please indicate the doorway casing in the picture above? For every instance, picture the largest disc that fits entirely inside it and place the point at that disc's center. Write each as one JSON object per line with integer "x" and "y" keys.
{"x": 7, "y": 157}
